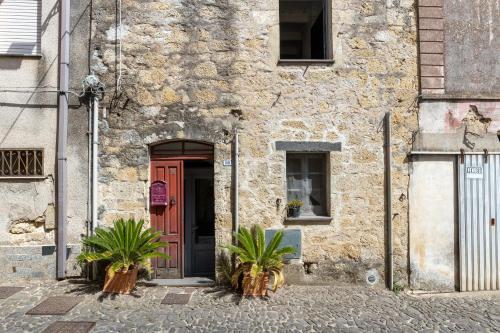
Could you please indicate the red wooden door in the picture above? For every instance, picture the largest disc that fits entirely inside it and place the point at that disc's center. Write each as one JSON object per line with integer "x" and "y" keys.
{"x": 169, "y": 219}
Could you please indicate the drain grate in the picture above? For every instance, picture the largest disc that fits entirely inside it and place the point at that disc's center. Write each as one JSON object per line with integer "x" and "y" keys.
{"x": 58, "y": 305}
{"x": 177, "y": 299}
{"x": 70, "y": 326}
{"x": 6, "y": 292}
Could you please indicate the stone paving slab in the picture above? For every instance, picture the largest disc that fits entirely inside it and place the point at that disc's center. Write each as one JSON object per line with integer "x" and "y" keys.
{"x": 6, "y": 292}
{"x": 291, "y": 309}
{"x": 70, "y": 327}
{"x": 58, "y": 305}
{"x": 181, "y": 299}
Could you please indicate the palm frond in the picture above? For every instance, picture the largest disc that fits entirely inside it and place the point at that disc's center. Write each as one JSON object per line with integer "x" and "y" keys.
{"x": 256, "y": 258}
{"x": 124, "y": 245}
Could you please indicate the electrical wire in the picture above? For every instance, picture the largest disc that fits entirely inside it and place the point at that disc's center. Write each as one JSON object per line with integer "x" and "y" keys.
{"x": 90, "y": 84}
{"x": 38, "y": 91}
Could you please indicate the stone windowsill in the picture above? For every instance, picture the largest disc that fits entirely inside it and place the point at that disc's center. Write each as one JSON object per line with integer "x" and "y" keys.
{"x": 308, "y": 220}
{"x": 305, "y": 62}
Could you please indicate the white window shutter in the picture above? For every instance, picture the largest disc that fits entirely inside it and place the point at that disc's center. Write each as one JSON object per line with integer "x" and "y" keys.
{"x": 20, "y": 24}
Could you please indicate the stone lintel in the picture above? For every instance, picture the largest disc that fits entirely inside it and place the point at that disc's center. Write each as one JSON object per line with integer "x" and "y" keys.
{"x": 308, "y": 146}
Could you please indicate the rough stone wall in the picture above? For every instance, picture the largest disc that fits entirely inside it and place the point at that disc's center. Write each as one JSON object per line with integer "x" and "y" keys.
{"x": 198, "y": 69}
{"x": 28, "y": 102}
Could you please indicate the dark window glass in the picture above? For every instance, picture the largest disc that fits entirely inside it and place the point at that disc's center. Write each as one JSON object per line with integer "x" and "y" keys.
{"x": 307, "y": 181}
{"x": 303, "y": 29}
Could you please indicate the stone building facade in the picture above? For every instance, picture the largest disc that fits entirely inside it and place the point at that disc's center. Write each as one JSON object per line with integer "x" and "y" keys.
{"x": 202, "y": 70}
{"x": 231, "y": 105}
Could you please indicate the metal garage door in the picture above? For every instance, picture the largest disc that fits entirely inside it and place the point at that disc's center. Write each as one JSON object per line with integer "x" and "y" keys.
{"x": 479, "y": 195}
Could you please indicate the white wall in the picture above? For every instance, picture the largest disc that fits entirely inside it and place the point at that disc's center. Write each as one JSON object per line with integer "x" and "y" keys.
{"x": 432, "y": 222}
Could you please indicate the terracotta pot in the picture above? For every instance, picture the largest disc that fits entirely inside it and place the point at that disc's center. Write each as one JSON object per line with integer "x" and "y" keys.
{"x": 122, "y": 282}
{"x": 255, "y": 287}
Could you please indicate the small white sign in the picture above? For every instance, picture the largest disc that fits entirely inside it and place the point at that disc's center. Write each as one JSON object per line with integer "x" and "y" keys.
{"x": 474, "y": 172}
{"x": 227, "y": 163}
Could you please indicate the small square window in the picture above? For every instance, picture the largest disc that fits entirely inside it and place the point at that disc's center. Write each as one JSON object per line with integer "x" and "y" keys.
{"x": 305, "y": 29}
{"x": 307, "y": 181}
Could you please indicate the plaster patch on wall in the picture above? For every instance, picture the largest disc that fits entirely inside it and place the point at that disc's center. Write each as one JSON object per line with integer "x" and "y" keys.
{"x": 449, "y": 117}
{"x": 476, "y": 125}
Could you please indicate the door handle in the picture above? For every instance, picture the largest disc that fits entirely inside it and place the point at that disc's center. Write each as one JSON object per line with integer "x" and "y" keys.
{"x": 493, "y": 222}
{"x": 173, "y": 201}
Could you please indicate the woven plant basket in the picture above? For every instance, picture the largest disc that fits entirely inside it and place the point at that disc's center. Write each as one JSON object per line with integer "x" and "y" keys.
{"x": 255, "y": 287}
{"x": 122, "y": 282}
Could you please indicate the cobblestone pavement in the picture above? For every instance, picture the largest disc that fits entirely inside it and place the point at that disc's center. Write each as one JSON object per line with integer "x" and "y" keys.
{"x": 291, "y": 309}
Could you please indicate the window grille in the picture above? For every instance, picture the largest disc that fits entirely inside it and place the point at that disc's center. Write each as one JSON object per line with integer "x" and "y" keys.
{"x": 21, "y": 162}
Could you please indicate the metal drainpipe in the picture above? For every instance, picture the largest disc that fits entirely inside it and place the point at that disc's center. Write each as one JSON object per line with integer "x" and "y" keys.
{"x": 62, "y": 136}
{"x": 89, "y": 169}
{"x": 236, "y": 185}
{"x": 388, "y": 195}
{"x": 95, "y": 151}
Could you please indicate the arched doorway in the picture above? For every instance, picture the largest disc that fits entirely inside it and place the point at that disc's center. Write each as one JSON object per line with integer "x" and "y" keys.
{"x": 187, "y": 219}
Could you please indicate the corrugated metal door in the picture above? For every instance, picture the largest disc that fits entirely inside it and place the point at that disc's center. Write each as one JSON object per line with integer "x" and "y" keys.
{"x": 479, "y": 198}
{"x": 20, "y": 24}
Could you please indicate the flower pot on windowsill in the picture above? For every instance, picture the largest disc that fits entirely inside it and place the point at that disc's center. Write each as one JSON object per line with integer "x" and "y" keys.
{"x": 121, "y": 282}
{"x": 293, "y": 212}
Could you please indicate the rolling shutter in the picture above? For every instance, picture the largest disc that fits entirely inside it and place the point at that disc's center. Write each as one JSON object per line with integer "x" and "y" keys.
{"x": 20, "y": 27}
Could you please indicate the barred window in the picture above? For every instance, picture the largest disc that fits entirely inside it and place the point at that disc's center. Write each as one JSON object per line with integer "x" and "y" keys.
{"x": 21, "y": 162}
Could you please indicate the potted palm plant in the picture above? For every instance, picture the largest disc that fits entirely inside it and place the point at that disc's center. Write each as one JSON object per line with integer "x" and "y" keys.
{"x": 127, "y": 247}
{"x": 256, "y": 261}
{"x": 293, "y": 208}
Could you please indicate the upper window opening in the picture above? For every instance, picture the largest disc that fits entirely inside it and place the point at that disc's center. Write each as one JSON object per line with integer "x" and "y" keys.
{"x": 20, "y": 27}
{"x": 304, "y": 29}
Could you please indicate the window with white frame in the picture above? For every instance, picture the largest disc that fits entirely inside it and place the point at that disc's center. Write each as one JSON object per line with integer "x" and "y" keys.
{"x": 20, "y": 27}
{"x": 307, "y": 181}
{"x": 305, "y": 29}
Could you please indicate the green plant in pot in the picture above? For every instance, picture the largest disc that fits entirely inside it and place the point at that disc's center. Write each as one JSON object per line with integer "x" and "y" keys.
{"x": 256, "y": 261}
{"x": 293, "y": 208}
{"x": 127, "y": 247}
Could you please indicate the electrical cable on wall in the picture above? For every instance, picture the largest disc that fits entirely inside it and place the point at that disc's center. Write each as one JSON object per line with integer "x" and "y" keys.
{"x": 119, "y": 28}
{"x": 90, "y": 84}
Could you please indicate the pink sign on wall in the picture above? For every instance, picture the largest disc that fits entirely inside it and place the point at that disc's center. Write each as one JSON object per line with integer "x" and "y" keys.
{"x": 159, "y": 193}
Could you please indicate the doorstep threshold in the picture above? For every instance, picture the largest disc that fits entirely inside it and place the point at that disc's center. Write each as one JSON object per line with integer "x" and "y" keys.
{"x": 186, "y": 282}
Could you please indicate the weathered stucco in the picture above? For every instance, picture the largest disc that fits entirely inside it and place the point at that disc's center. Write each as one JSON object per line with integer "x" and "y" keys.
{"x": 28, "y": 103}
{"x": 472, "y": 39}
{"x": 199, "y": 69}
{"x": 459, "y": 111}
{"x": 433, "y": 223}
